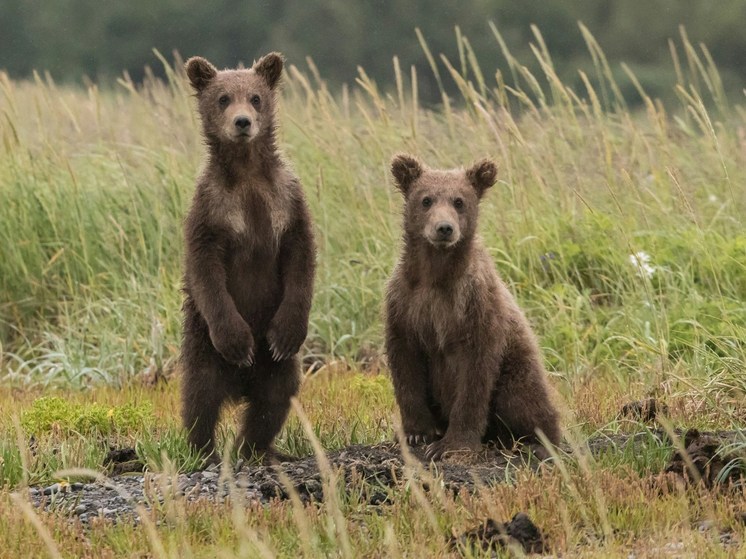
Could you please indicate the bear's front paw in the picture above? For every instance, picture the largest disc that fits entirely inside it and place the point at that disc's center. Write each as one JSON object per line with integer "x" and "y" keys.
{"x": 235, "y": 342}
{"x": 438, "y": 449}
{"x": 419, "y": 427}
{"x": 285, "y": 336}
{"x": 416, "y": 439}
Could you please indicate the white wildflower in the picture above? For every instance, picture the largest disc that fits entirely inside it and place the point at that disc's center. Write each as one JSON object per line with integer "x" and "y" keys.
{"x": 641, "y": 261}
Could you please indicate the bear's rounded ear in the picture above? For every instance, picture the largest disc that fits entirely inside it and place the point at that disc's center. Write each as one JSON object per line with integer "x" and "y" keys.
{"x": 482, "y": 175}
{"x": 200, "y": 72}
{"x": 406, "y": 169}
{"x": 269, "y": 67}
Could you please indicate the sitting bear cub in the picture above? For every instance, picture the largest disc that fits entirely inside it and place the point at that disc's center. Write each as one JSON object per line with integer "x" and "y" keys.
{"x": 466, "y": 366}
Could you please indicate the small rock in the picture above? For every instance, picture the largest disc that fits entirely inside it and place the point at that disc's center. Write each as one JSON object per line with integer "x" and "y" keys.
{"x": 77, "y": 486}
{"x": 313, "y": 486}
{"x": 54, "y": 489}
{"x": 379, "y": 498}
{"x": 208, "y": 475}
{"x": 80, "y": 509}
{"x": 706, "y": 525}
{"x": 243, "y": 483}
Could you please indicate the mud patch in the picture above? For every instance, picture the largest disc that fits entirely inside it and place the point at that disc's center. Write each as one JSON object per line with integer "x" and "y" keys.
{"x": 708, "y": 461}
{"x": 120, "y": 461}
{"x": 644, "y": 410}
{"x": 380, "y": 467}
{"x": 490, "y": 535}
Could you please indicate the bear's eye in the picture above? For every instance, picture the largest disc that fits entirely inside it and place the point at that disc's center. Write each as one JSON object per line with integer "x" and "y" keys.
{"x": 427, "y": 202}
{"x": 458, "y": 203}
{"x": 224, "y": 100}
{"x": 256, "y": 101}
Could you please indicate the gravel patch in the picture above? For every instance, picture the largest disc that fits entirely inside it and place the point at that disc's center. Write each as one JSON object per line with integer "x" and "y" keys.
{"x": 379, "y": 467}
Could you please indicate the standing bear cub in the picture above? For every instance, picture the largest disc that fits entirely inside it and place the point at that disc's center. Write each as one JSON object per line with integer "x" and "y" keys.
{"x": 249, "y": 263}
{"x": 465, "y": 364}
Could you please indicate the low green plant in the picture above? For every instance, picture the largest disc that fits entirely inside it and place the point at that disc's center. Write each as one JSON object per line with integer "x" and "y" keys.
{"x": 54, "y": 414}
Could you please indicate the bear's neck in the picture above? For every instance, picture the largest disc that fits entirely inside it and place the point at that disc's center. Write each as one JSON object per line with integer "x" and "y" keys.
{"x": 239, "y": 163}
{"x": 428, "y": 266}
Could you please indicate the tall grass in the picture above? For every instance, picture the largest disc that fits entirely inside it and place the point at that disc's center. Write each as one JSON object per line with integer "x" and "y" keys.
{"x": 94, "y": 186}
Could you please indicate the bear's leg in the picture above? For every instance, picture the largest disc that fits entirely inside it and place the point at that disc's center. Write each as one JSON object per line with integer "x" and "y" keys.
{"x": 202, "y": 396}
{"x": 521, "y": 403}
{"x": 409, "y": 375}
{"x": 475, "y": 370}
{"x": 273, "y": 385}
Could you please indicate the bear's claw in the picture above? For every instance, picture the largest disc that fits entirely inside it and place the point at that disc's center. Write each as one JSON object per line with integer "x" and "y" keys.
{"x": 248, "y": 362}
{"x": 419, "y": 438}
{"x": 284, "y": 341}
{"x": 438, "y": 449}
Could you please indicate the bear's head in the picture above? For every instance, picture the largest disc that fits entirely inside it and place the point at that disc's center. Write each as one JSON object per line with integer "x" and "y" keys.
{"x": 236, "y": 106}
{"x": 441, "y": 206}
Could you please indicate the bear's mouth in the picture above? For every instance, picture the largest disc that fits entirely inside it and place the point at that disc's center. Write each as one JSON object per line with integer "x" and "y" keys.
{"x": 442, "y": 244}
{"x": 243, "y": 137}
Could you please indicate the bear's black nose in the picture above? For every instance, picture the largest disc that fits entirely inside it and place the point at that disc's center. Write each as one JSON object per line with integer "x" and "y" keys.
{"x": 444, "y": 230}
{"x": 242, "y": 122}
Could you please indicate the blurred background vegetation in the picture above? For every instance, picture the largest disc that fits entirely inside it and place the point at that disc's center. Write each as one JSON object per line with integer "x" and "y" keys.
{"x": 95, "y": 180}
{"x": 76, "y": 38}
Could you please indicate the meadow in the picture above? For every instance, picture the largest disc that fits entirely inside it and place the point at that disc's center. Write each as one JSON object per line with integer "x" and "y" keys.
{"x": 618, "y": 224}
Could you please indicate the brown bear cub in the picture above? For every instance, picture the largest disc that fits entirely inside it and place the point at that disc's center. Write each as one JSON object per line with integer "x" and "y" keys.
{"x": 465, "y": 364}
{"x": 249, "y": 263}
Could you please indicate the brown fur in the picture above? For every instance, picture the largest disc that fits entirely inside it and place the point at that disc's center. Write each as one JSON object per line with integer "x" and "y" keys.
{"x": 250, "y": 261}
{"x": 464, "y": 361}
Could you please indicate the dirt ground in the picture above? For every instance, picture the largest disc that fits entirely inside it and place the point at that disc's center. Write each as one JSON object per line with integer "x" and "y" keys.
{"x": 380, "y": 467}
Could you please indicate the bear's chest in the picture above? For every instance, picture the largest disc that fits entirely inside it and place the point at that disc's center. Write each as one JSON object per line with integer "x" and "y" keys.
{"x": 254, "y": 218}
{"x": 436, "y": 316}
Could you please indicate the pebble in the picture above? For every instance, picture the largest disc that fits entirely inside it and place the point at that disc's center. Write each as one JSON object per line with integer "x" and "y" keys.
{"x": 55, "y": 488}
{"x": 80, "y": 509}
{"x": 706, "y": 525}
{"x": 313, "y": 486}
